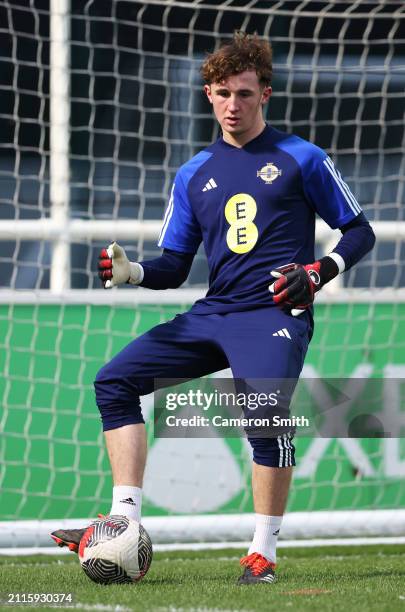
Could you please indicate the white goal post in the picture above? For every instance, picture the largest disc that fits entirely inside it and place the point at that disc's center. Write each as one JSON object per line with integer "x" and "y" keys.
{"x": 100, "y": 104}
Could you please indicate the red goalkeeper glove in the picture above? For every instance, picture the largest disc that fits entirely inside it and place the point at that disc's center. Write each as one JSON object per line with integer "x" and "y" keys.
{"x": 296, "y": 284}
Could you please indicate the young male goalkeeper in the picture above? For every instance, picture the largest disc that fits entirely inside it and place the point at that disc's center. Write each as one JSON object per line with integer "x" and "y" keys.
{"x": 251, "y": 198}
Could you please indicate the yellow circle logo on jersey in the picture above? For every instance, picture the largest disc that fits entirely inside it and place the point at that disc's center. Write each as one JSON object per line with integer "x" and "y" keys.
{"x": 240, "y": 211}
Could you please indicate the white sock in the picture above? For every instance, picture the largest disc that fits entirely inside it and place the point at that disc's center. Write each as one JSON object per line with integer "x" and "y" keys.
{"x": 265, "y": 536}
{"x": 127, "y": 501}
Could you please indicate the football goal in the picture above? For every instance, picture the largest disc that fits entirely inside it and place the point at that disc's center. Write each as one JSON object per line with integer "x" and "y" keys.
{"x": 100, "y": 103}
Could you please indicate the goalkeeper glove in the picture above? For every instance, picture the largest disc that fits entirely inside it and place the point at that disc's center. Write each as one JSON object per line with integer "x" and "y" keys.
{"x": 296, "y": 284}
{"x": 115, "y": 268}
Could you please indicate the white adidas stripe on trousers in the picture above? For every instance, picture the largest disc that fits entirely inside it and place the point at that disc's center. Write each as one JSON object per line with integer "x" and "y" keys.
{"x": 285, "y": 447}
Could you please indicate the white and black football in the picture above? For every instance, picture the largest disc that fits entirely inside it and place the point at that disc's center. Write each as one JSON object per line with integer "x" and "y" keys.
{"x": 115, "y": 549}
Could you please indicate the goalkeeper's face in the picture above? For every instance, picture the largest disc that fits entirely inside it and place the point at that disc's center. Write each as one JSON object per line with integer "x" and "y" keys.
{"x": 238, "y": 105}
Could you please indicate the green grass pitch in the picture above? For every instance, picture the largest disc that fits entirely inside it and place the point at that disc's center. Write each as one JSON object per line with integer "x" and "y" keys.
{"x": 335, "y": 578}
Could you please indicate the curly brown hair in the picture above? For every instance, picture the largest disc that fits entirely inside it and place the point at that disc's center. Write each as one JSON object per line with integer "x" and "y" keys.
{"x": 244, "y": 52}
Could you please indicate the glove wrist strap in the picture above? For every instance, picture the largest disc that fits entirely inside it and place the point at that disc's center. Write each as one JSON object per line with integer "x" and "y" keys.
{"x": 341, "y": 264}
{"x": 136, "y": 273}
{"x": 328, "y": 269}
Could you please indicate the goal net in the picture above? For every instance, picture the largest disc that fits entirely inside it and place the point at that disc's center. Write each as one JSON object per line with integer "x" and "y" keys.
{"x": 100, "y": 103}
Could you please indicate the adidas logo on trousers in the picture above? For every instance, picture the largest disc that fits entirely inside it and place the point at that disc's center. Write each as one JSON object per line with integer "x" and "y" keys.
{"x": 284, "y": 333}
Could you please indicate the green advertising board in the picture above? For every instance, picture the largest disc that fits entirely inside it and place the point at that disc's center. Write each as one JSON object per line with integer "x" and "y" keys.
{"x": 53, "y": 460}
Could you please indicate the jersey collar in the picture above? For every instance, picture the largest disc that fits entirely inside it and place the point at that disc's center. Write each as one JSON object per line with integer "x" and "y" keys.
{"x": 262, "y": 137}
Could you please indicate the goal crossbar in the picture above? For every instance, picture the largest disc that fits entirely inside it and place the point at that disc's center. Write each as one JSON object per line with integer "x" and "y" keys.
{"x": 132, "y": 229}
{"x": 62, "y": 232}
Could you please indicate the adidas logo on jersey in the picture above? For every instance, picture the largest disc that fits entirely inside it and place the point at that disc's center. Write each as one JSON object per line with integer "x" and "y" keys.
{"x": 284, "y": 333}
{"x": 210, "y": 185}
{"x": 129, "y": 500}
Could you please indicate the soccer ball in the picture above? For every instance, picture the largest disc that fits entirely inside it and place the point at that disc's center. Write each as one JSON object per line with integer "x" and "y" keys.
{"x": 115, "y": 549}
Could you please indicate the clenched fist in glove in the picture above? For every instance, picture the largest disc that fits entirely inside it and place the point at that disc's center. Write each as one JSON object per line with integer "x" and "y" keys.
{"x": 297, "y": 284}
{"x": 115, "y": 268}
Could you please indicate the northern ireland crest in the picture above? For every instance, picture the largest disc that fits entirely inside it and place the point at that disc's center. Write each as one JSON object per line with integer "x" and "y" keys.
{"x": 269, "y": 173}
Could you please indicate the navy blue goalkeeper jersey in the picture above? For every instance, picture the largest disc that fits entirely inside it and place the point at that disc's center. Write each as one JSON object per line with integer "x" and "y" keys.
{"x": 254, "y": 210}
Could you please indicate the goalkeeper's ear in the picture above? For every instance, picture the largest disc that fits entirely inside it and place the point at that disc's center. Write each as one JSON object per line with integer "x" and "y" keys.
{"x": 266, "y": 93}
{"x": 207, "y": 89}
